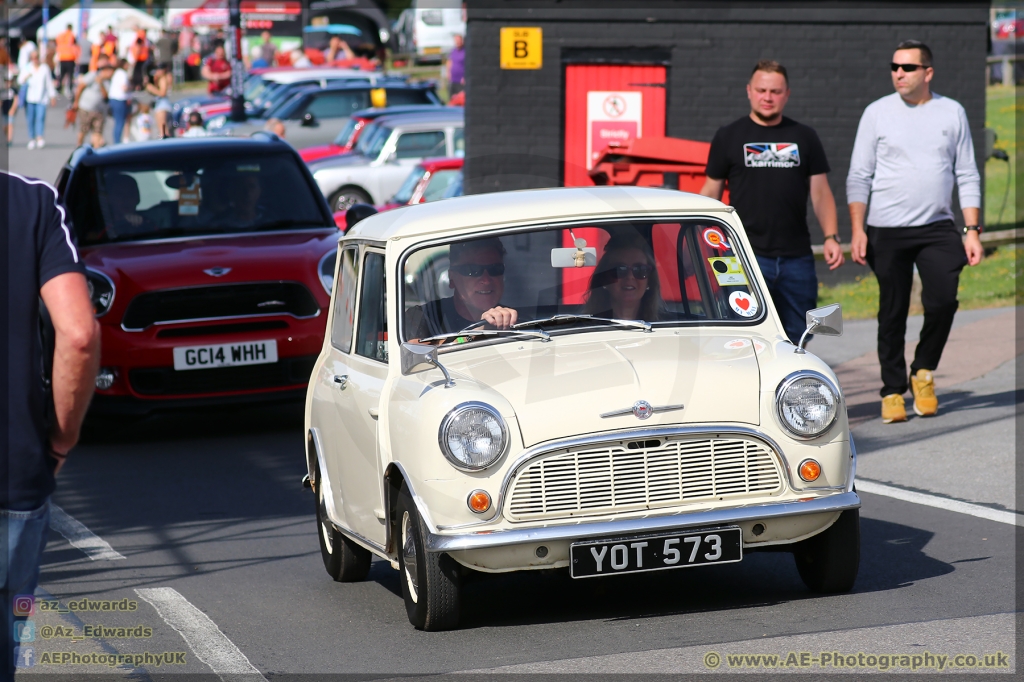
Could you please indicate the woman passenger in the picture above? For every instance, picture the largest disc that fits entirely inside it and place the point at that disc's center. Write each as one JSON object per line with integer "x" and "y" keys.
{"x": 625, "y": 283}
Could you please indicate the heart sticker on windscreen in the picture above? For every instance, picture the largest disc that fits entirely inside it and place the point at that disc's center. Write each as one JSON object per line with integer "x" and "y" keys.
{"x": 743, "y": 303}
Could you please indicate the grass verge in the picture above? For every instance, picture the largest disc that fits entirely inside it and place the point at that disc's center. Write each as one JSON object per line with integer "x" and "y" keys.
{"x": 996, "y": 281}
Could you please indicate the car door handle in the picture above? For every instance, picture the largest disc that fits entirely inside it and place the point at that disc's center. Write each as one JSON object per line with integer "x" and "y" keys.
{"x": 373, "y": 412}
{"x": 341, "y": 380}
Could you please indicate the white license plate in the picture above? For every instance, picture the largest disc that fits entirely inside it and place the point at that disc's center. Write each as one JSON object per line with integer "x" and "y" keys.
{"x": 225, "y": 355}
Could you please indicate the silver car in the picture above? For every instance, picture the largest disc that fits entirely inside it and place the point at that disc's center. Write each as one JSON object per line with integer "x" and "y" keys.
{"x": 386, "y": 154}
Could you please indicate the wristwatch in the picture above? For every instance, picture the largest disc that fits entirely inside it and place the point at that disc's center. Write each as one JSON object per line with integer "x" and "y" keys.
{"x": 977, "y": 228}
{"x": 833, "y": 236}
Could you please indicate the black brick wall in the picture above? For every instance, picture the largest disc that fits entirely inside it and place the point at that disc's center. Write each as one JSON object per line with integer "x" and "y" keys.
{"x": 837, "y": 54}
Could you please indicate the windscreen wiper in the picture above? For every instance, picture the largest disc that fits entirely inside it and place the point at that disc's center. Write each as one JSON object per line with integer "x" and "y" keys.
{"x": 568, "y": 317}
{"x": 470, "y": 331}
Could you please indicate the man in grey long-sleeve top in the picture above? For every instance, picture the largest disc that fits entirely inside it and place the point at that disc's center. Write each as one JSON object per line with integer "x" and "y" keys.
{"x": 911, "y": 146}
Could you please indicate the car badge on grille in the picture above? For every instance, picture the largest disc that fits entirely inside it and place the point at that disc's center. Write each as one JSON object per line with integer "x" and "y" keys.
{"x": 217, "y": 272}
{"x": 642, "y": 409}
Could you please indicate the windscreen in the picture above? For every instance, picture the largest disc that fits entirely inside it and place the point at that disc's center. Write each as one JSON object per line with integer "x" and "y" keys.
{"x": 345, "y": 136}
{"x": 668, "y": 272}
{"x": 194, "y": 196}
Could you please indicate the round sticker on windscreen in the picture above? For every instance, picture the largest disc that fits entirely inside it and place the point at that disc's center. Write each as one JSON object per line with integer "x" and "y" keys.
{"x": 743, "y": 304}
{"x": 715, "y": 239}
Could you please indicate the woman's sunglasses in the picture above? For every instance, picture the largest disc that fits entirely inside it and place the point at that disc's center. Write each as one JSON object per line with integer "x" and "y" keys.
{"x": 640, "y": 271}
{"x": 476, "y": 270}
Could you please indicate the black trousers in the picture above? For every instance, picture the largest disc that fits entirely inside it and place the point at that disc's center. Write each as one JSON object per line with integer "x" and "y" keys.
{"x": 937, "y": 250}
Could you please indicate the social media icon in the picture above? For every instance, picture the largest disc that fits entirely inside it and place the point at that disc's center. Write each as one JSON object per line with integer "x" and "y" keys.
{"x": 25, "y": 631}
{"x": 24, "y": 656}
{"x": 24, "y": 605}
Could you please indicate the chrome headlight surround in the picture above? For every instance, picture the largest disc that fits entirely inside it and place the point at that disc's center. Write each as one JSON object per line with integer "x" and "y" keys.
{"x": 458, "y": 422}
{"x": 101, "y": 291}
{"x": 799, "y": 379}
{"x": 326, "y": 277}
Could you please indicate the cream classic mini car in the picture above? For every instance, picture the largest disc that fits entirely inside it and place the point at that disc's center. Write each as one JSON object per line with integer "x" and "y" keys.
{"x": 589, "y": 379}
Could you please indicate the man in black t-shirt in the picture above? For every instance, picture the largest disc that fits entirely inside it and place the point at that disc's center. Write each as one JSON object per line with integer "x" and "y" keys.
{"x": 772, "y": 163}
{"x": 41, "y": 261}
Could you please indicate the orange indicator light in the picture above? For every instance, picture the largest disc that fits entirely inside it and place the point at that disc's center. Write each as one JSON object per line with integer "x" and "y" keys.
{"x": 479, "y": 501}
{"x": 809, "y": 470}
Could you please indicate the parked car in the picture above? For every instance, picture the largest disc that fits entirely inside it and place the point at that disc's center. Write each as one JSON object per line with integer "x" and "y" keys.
{"x": 429, "y": 181}
{"x": 386, "y": 155}
{"x": 357, "y": 122}
{"x": 645, "y": 413}
{"x": 316, "y": 115}
{"x": 426, "y": 32}
{"x": 204, "y": 259}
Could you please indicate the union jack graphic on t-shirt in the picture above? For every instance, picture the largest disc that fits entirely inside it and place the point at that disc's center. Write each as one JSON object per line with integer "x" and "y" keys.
{"x": 771, "y": 155}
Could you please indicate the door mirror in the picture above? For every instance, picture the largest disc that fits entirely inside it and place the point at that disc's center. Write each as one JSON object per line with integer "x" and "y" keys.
{"x": 826, "y": 320}
{"x": 419, "y": 357}
{"x": 309, "y": 120}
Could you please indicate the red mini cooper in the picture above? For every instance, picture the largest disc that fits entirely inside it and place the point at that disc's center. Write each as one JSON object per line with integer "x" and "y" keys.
{"x": 210, "y": 263}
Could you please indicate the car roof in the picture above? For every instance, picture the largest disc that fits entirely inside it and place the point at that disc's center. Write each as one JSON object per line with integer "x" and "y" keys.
{"x": 442, "y": 163}
{"x": 443, "y": 115}
{"x": 181, "y": 146}
{"x": 376, "y": 112}
{"x": 295, "y": 75}
{"x": 501, "y": 209}
{"x": 388, "y": 83}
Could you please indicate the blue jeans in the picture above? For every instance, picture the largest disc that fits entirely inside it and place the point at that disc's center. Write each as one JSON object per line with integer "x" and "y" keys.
{"x": 23, "y": 537}
{"x": 36, "y": 114}
{"x": 793, "y": 286}
{"x": 119, "y": 109}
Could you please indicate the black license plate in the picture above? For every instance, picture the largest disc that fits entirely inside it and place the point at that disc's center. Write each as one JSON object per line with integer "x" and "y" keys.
{"x": 593, "y": 558}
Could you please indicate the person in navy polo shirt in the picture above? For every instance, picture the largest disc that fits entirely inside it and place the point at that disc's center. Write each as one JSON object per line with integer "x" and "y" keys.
{"x": 772, "y": 163}
{"x": 43, "y": 421}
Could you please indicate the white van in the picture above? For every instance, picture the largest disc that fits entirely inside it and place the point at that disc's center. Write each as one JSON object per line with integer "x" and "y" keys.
{"x": 426, "y": 29}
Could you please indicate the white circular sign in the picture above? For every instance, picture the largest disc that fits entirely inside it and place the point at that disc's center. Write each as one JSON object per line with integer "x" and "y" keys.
{"x": 614, "y": 106}
{"x": 743, "y": 304}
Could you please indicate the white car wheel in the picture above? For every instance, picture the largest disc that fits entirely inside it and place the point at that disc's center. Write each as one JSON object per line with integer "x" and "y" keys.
{"x": 430, "y": 581}
{"x": 344, "y": 560}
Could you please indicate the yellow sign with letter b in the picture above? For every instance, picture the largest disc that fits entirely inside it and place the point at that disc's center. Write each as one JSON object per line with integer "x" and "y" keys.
{"x": 521, "y": 47}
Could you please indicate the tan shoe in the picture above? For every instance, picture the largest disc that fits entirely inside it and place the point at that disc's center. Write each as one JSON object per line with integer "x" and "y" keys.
{"x": 893, "y": 409}
{"x": 923, "y": 385}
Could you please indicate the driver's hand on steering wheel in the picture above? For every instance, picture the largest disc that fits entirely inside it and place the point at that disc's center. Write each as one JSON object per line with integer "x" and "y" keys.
{"x": 500, "y": 317}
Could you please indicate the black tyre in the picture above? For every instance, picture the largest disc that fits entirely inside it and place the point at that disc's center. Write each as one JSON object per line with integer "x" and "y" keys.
{"x": 346, "y": 196}
{"x": 344, "y": 560}
{"x": 829, "y": 561}
{"x": 430, "y": 581}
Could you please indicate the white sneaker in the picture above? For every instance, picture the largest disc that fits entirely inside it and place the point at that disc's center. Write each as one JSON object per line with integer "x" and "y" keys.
{"x": 31, "y": 144}
{"x": 41, "y": 143}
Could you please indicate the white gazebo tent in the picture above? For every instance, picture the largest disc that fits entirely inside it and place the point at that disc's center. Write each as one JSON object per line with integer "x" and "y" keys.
{"x": 123, "y": 17}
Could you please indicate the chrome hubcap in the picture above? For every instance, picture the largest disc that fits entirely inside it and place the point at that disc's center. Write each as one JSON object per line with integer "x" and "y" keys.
{"x": 409, "y": 557}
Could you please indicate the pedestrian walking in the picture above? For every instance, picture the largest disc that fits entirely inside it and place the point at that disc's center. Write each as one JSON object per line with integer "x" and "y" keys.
{"x": 85, "y": 53}
{"x": 48, "y": 386}
{"x": 39, "y": 94}
{"x": 268, "y": 50}
{"x": 139, "y": 53}
{"x": 67, "y": 55}
{"x": 160, "y": 87}
{"x": 455, "y": 69}
{"x": 90, "y": 103}
{"x": 772, "y": 163}
{"x": 217, "y": 71}
{"x": 911, "y": 147}
{"x": 119, "y": 99}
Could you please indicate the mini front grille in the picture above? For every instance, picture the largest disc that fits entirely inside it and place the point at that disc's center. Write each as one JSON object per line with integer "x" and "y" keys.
{"x": 616, "y": 477}
{"x": 219, "y": 301}
{"x": 166, "y": 381}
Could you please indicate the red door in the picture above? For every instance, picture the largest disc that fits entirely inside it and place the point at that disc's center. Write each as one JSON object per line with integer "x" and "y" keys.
{"x": 607, "y": 103}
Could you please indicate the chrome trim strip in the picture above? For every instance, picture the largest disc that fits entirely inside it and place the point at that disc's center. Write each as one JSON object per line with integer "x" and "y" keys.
{"x": 584, "y": 530}
{"x": 853, "y": 465}
{"x": 133, "y": 330}
{"x": 655, "y": 409}
{"x": 359, "y": 539}
{"x": 786, "y": 383}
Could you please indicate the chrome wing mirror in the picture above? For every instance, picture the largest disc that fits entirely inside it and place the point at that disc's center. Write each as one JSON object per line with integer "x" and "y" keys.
{"x": 419, "y": 357}
{"x": 826, "y": 320}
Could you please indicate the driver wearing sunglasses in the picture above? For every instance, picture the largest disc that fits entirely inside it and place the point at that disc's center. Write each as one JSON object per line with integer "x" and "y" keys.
{"x": 476, "y": 273}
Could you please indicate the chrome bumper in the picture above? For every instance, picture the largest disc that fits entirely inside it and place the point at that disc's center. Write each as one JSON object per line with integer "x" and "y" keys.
{"x": 607, "y": 529}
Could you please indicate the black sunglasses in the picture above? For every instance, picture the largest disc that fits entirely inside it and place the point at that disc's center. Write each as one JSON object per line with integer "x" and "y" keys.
{"x": 476, "y": 270}
{"x": 640, "y": 271}
{"x": 907, "y": 68}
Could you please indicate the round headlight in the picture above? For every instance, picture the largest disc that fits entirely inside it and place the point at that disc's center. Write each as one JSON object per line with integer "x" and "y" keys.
{"x": 326, "y": 270}
{"x": 807, "y": 404}
{"x": 473, "y": 436}
{"x": 101, "y": 291}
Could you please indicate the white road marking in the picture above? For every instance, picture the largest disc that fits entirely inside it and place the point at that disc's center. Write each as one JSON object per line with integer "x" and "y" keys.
{"x": 95, "y": 547}
{"x": 208, "y": 643}
{"x": 1007, "y": 517}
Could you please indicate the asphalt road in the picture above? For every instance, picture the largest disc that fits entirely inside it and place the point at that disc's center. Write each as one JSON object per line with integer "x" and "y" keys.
{"x": 210, "y": 537}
